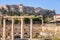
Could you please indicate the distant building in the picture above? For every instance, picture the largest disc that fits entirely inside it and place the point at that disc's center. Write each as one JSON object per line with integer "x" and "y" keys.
{"x": 21, "y": 7}
{"x": 57, "y": 17}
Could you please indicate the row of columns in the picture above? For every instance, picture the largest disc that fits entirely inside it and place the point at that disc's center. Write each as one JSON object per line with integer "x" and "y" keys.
{"x": 12, "y": 27}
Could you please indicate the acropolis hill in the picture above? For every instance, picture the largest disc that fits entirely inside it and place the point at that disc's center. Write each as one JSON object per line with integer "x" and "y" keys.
{"x": 28, "y": 23}
{"x": 18, "y": 9}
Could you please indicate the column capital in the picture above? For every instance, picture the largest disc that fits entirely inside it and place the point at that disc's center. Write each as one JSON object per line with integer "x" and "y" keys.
{"x": 12, "y": 18}
{"x": 30, "y": 17}
{"x": 22, "y": 18}
{"x": 4, "y": 18}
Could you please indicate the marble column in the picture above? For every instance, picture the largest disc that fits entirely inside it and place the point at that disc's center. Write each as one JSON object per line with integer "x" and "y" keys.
{"x": 12, "y": 33}
{"x": 31, "y": 29}
{"x": 55, "y": 18}
{"x": 21, "y": 28}
{"x": 42, "y": 20}
{"x": 0, "y": 22}
{"x": 4, "y": 29}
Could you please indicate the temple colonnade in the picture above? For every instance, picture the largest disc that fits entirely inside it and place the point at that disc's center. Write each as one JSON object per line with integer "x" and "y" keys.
{"x": 12, "y": 26}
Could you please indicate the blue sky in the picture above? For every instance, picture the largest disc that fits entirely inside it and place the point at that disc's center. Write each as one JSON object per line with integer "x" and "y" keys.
{"x": 49, "y": 4}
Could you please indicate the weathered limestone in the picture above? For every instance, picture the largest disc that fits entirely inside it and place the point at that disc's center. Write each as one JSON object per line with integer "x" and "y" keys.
{"x": 0, "y": 22}
{"x": 42, "y": 20}
{"x": 12, "y": 33}
{"x": 30, "y": 28}
{"x": 54, "y": 18}
{"x": 4, "y": 29}
{"x": 21, "y": 28}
